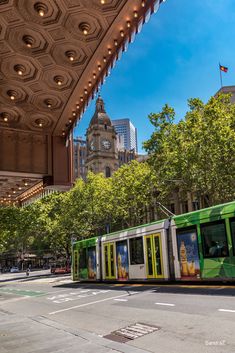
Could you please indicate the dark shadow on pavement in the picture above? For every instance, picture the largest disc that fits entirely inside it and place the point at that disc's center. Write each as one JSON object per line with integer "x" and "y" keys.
{"x": 191, "y": 289}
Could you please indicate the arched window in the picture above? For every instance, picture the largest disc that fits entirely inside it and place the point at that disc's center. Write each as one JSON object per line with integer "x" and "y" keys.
{"x": 107, "y": 172}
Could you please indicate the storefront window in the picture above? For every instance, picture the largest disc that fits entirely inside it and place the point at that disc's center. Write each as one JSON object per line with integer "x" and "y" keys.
{"x": 214, "y": 239}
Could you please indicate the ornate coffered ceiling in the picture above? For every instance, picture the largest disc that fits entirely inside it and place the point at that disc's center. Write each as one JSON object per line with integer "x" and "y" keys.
{"x": 55, "y": 54}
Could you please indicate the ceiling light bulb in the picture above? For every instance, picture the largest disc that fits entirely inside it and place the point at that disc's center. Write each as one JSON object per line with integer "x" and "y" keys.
{"x": 128, "y": 24}
{"x": 12, "y": 98}
{"x": 109, "y": 50}
{"x": 135, "y": 14}
{"x": 85, "y": 91}
{"x": 89, "y": 83}
{"x": 99, "y": 67}
{"x": 74, "y": 113}
{"x": 19, "y": 188}
{"x": 41, "y": 13}
{"x": 122, "y": 33}
{"x": 94, "y": 75}
{"x": 115, "y": 42}
{"x": 40, "y": 124}
{"x": 71, "y": 58}
{"x": 102, "y": 2}
{"x": 49, "y": 105}
{"x": 5, "y": 118}
{"x": 59, "y": 83}
{"x": 143, "y": 3}
{"x": 85, "y": 32}
{"x": 20, "y": 72}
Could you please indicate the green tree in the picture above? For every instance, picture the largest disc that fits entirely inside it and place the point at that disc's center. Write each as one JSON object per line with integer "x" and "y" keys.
{"x": 133, "y": 187}
{"x": 198, "y": 153}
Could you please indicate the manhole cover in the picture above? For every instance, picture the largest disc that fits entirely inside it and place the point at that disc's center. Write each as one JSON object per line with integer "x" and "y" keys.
{"x": 131, "y": 332}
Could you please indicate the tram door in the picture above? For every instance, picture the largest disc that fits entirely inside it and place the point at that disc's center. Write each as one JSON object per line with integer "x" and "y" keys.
{"x": 75, "y": 265}
{"x": 153, "y": 256}
{"x": 109, "y": 261}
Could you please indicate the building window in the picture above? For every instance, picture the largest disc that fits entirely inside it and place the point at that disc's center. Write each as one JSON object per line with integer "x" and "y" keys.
{"x": 107, "y": 172}
{"x": 214, "y": 239}
{"x": 136, "y": 251}
{"x": 196, "y": 205}
{"x": 185, "y": 207}
{"x": 172, "y": 208}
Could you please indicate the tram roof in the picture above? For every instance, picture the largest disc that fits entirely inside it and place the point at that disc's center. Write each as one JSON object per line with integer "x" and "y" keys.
{"x": 92, "y": 241}
{"x": 205, "y": 215}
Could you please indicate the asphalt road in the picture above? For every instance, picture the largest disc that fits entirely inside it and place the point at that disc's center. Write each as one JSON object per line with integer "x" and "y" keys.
{"x": 52, "y": 314}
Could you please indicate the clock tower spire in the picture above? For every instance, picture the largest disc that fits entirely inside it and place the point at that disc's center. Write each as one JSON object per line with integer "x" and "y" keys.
{"x": 102, "y": 155}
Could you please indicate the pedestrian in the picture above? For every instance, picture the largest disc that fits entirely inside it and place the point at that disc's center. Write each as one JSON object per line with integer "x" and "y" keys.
{"x": 27, "y": 272}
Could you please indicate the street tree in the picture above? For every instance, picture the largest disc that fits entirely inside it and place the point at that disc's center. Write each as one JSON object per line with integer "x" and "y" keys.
{"x": 196, "y": 154}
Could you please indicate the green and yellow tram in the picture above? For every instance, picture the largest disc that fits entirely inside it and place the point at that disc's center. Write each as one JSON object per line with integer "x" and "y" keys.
{"x": 199, "y": 245}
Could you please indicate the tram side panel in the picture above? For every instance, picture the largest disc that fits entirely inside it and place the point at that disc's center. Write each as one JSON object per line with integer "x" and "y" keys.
{"x": 137, "y": 254}
{"x": 204, "y": 244}
{"x": 86, "y": 260}
{"x": 186, "y": 253}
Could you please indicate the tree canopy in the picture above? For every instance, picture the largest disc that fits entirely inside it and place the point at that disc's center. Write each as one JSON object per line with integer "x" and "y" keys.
{"x": 196, "y": 154}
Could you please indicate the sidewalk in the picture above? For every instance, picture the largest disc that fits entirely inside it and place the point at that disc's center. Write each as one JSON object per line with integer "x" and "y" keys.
{"x": 39, "y": 334}
{"x": 6, "y": 277}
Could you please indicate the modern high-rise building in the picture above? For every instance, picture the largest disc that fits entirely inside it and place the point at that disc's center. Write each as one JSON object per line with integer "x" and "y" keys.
{"x": 80, "y": 153}
{"x": 125, "y": 128}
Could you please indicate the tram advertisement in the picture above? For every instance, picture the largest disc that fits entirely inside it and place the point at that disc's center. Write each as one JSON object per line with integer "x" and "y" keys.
{"x": 122, "y": 260}
{"x": 188, "y": 254}
{"x": 91, "y": 263}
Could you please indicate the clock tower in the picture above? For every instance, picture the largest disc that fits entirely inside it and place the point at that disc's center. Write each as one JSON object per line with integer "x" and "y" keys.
{"x": 101, "y": 138}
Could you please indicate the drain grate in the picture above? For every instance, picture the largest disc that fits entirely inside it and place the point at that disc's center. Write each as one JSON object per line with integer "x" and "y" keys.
{"x": 131, "y": 332}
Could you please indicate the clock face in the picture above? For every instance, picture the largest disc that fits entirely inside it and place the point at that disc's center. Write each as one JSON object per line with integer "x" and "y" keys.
{"x": 106, "y": 144}
{"x": 92, "y": 145}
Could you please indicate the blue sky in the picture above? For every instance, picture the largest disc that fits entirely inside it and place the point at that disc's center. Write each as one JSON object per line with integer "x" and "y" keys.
{"x": 175, "y": 57}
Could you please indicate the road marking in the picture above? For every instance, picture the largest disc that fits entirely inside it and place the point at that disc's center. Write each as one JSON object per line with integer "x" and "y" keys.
{"x": 21, "y": 292}
{"x": 227, "y": 310}
{"x": 86, "y": 304}
{"x": 14, "y": 300}
{"x": 121, "y": 300}
{"x": 167, "y": 304}
{"x": 62, "y": 298}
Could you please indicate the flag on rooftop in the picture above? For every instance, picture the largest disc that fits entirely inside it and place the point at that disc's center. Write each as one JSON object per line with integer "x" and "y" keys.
{"x": 223, "y": 68}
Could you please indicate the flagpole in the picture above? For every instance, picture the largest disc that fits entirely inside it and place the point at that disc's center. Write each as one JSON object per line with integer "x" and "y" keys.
{"x": 221, "y": 82}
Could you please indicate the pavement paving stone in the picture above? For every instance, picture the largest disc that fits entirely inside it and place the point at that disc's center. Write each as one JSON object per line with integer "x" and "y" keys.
{"x": 40, "y": 335}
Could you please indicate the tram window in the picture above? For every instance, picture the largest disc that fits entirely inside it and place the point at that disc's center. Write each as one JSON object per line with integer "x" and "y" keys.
{"x": 214, "y": 240}
{"x": 136, "y": 251}
{"x": 232, "y": 223}
{"x": 82, "y": 258}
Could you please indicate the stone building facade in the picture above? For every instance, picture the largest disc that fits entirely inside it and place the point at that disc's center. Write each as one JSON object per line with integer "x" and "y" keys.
{"x": 101, "y": 141}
